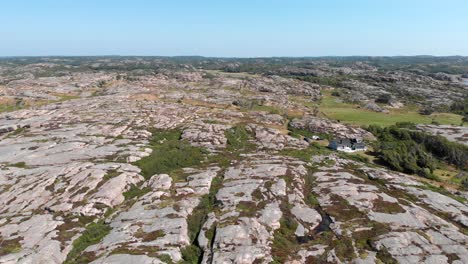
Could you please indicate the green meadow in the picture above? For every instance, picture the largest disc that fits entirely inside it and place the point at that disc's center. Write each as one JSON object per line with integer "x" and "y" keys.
{"x": 332, "y": 108}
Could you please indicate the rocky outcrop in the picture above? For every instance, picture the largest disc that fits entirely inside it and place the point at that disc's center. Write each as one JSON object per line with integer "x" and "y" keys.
{"x": 321, "y": 125}
{"x": 73, "y": 184}
{"x": 453, "y": 133}
{"x": 279, "y": 85}
{"x": 269, "y": 138}
{"x": 210, "y": 136}
{"x": 158, "y": 220}
{"x": 253, "y": 200}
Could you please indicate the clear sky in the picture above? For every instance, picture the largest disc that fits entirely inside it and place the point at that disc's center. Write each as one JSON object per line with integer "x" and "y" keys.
{"x": 236, "y": 28}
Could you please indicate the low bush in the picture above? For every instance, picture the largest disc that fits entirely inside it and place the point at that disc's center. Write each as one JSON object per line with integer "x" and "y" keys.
{"x": 169, "y": 154}
{"x": 93, "y": 234}
{"x": 306, "y": 153}
{"x": 238, "y": 139}
{"x": 135, "y": 192}
{"x": 284, "y": 241}
{"x": 192, "y": 253}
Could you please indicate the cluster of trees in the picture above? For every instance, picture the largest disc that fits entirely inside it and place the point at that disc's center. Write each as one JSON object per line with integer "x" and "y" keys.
{"x": 461, "y": 108}
{"x": 416, "y": 152}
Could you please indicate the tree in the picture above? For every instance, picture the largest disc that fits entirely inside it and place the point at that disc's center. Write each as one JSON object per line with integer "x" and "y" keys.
{"x": 426, "y": 111}
{"x": 384, "y": 98}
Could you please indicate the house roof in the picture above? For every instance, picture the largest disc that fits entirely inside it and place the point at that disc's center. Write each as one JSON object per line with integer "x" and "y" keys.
{"x": 348, "y": 141}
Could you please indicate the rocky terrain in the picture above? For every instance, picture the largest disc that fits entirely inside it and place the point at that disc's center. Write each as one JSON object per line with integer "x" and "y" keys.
{"x": 190, "y": 165}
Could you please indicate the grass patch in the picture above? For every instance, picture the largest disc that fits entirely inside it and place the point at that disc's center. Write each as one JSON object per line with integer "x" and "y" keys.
{"x": 21, "y": 165}
{"x": 210, "y": 233}
{"x": 305, "y": 154}
{"x": 267, "y": 108}
{"x": 359, "y": 157}
{"x": 300, "y": 133}
{"x": 342, "y": 210}
{"x": 10, "y": 246}
{"x": 344, "y": 249}
{"x": 382, "y": 206}
{"x": 206, "y": 205}
{"x": 169, "y": 154}
{"x": 18, "y": 131}
{"x": 385, "y": 257}
{"x": 111, "y": 174}
{"x": 364, "y": 239}
{"x": 238, "y": 139}
{"x": 165, "y": 258}
{"x": 284, "y": 241}
{"x": 9, "y": 108}
{"x": 257, "y": 105}
{"x": 66, "y": 97}
{"x": 442, "y": 191}
{"x": 135, "y": 191}
{"x": 247, "y": 208}
{"x": 350, "y": 113}
{"x": 309, "y": 197}
{"x": 193, "y": 253}
{"x": 93, "y": 234}
{"x": 151, "y": 236}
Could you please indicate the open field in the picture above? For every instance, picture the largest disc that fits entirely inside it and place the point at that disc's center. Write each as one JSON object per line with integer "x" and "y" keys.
{"x": 353, "y": 114}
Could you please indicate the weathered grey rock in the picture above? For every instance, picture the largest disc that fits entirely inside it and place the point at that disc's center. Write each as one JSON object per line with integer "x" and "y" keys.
{"x": 321, "y": 125}
{"x": 126, "y": 258}
{"x": 70, "y": 160}
{"x": 453, "y": 133}
{"x": 269, "y": 138}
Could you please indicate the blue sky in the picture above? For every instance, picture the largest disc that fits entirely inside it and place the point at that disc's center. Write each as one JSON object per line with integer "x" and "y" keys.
{"x": 237, "y": 28}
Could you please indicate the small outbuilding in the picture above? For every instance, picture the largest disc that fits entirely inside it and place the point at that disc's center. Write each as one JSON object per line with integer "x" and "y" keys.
{"x": 347, "y": 144}
{"x": 311, "y": 139}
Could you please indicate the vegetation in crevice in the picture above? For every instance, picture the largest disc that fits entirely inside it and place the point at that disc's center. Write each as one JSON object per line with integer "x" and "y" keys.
{"x": 135, "y": 191}
{"x": 21, "y": 165}
{"x": 239, "y": 139}
{"x": 93, "y": 234}
{"x": 301, "y": 133}
{"x": 169, "y": 154}
{"x": 284, "y": 241}
{"x": 193, "y": 253}
{"x": 306, "y": 154}
{"x": 10, "y": 246}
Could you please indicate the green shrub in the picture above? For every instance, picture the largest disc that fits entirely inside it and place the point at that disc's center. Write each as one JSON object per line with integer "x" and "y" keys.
{"x": 206, "y": 205}
{"x": 165, "y": 258}
{"x": 409, "y": 125}
{"x": 10, "y": 246}
{"x": 306, "y": 153}
{"x": 238, "y": 139}
{"x": 383, "y": 98}
{"x": 284, "y": 240}
{"x": 135, "y": 192}
{"x": 191, "y": 254}
{"x": 93, "y": 234}
{"x": 169, "y": 154}
{"x": 464, "y": 183}
{"x": 336, "y": 93}
{"x": 414, "y": 151}
{"x": 384, "y": 256}
{"x": 344, "y": 249}
{"x": 21, "y": 165}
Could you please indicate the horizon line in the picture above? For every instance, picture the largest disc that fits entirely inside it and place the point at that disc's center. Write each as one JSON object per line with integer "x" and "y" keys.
{"x": 229, "y": 57}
